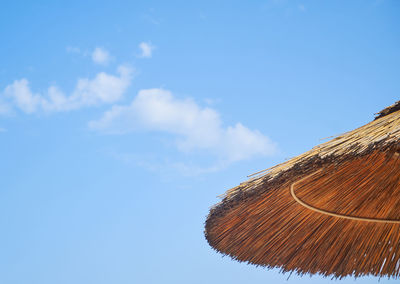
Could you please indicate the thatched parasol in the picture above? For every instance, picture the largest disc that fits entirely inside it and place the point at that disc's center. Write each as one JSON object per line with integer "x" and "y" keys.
{"x": 334, "y": 210}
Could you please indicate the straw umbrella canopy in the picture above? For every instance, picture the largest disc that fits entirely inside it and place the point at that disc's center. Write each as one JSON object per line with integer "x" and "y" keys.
{"x": 334, "y": 210}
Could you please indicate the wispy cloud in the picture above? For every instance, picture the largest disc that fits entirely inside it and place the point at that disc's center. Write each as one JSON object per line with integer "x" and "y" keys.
{"x": 101, "y": 56}
{"x": 146, "y": 49}
{"x": 151, "y": 17}
{"x": 166, "y": 167}
{"x": 195, "y": 127}
{"x": 103, "y": 88}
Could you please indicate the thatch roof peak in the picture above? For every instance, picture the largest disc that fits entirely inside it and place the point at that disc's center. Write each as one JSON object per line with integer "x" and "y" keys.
{"x": 388, "y": 110}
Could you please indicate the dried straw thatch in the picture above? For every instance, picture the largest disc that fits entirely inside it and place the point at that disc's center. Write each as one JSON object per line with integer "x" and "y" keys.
{"x": 334, "y": 210}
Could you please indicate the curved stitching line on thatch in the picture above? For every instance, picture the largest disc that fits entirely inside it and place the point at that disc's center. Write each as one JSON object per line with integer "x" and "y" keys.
{"x": 298, "y": 200}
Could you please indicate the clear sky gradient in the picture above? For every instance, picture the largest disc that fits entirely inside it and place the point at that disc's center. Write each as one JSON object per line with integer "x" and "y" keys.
{"x": 121, "y": 122}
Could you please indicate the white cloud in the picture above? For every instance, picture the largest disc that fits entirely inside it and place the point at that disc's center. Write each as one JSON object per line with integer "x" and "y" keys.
{"x": 101, "y": 56}
{"x": 103, "y": 88}
{"x": 196, "y": 128}
{"x": 23, "y": 97}
{"x": 146, "y": 49}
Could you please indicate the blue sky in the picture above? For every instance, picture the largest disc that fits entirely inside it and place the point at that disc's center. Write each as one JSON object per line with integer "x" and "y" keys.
{"x": 121, "y": 122}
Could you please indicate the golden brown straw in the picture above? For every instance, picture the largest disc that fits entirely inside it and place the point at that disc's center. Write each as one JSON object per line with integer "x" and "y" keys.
{"x": 334, "y": 210}
{"x": 356, "y": 218}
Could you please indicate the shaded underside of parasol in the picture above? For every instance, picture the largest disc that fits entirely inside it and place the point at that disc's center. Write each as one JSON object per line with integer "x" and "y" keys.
{"x": 334, "y": 210}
